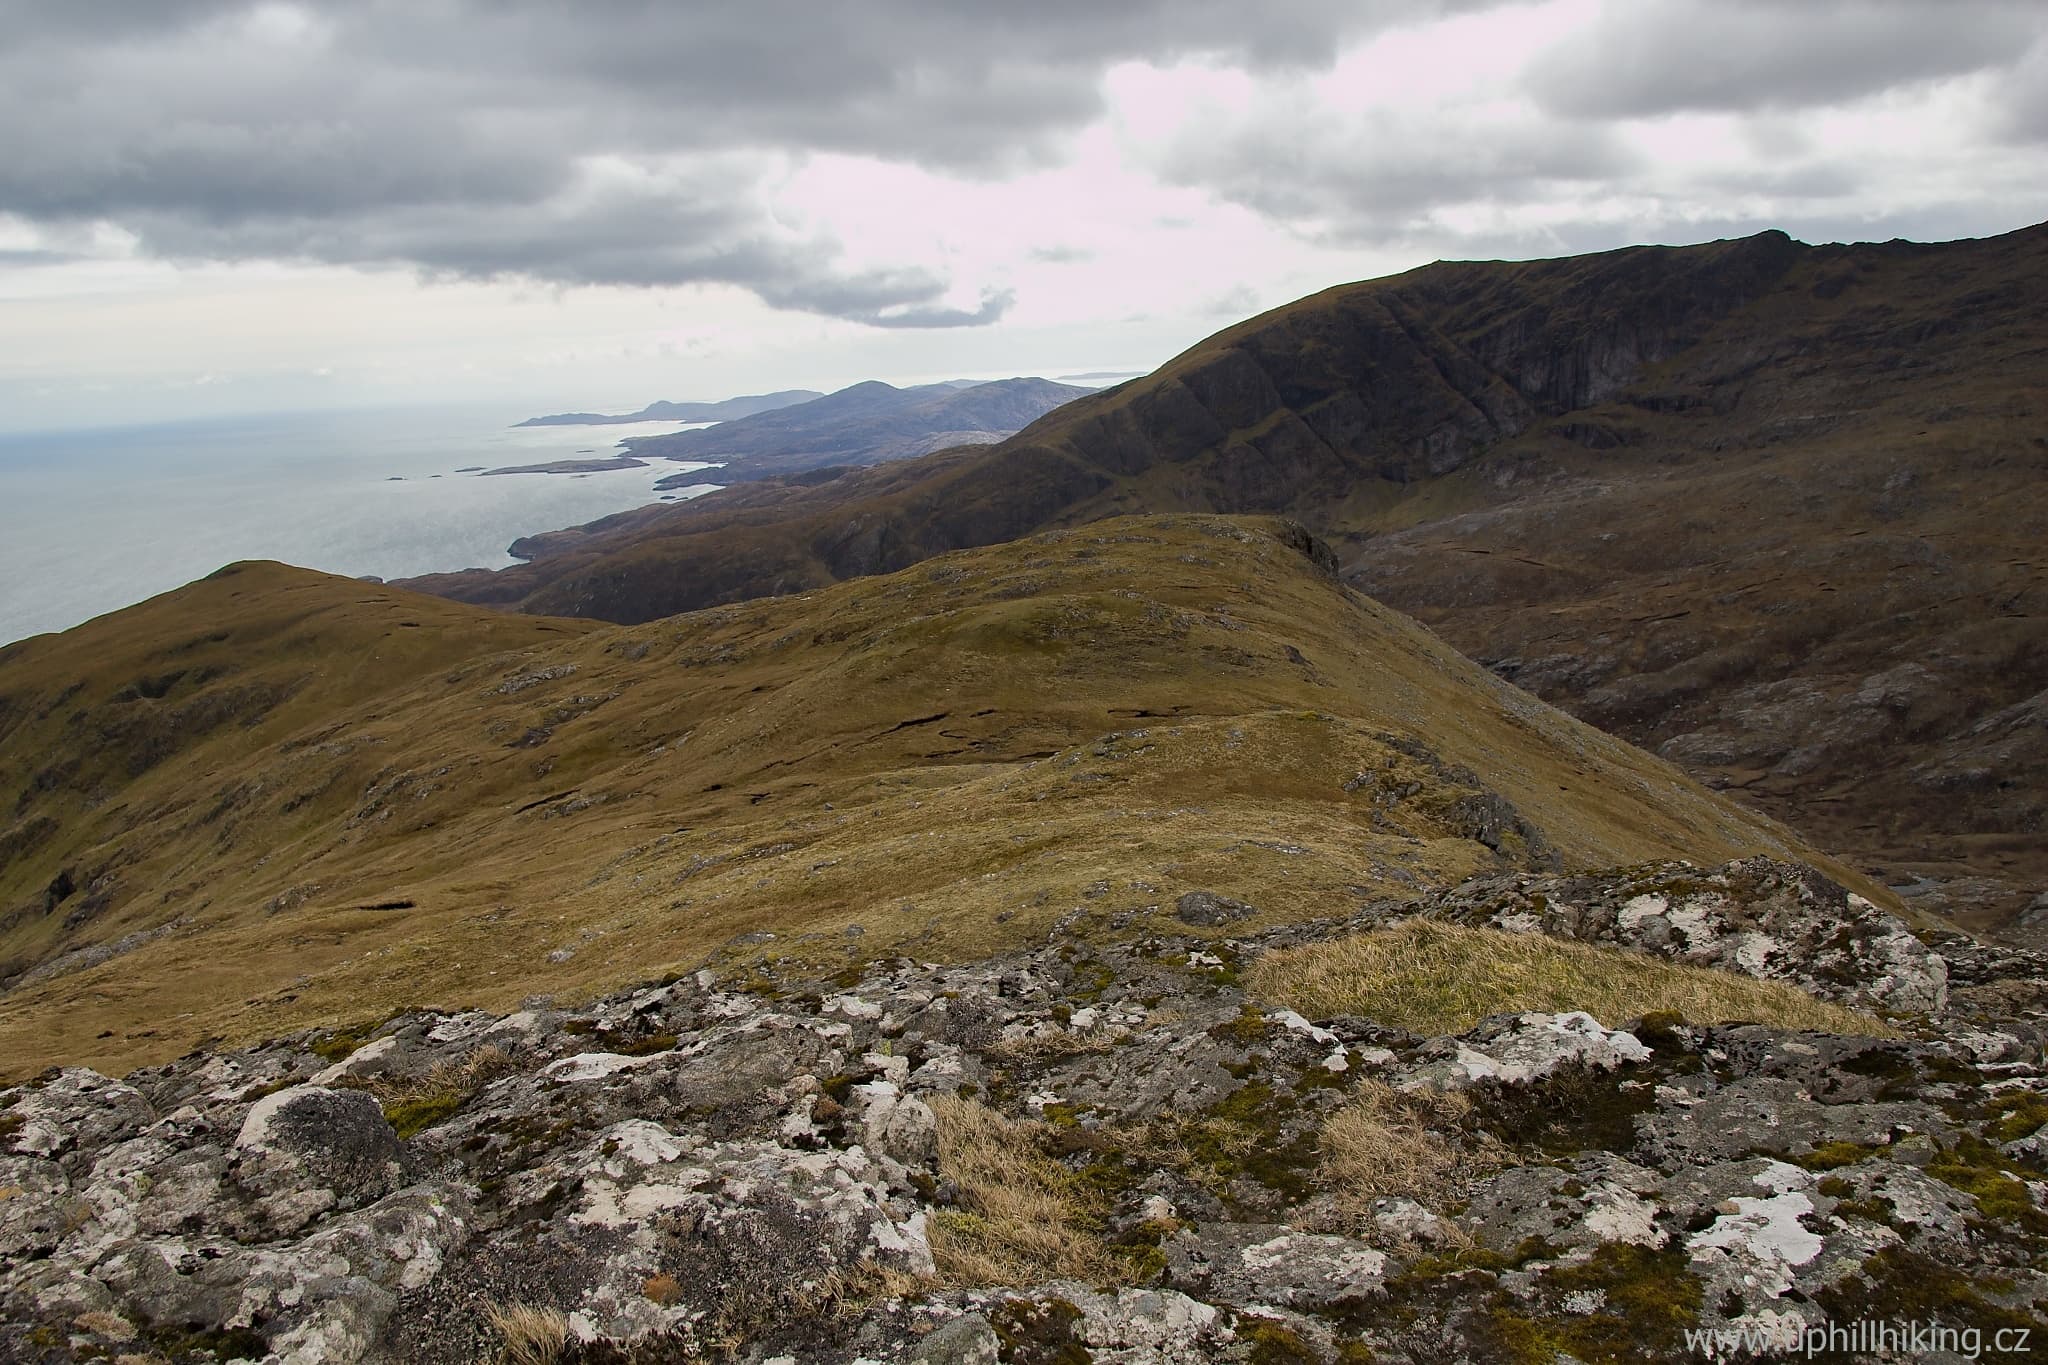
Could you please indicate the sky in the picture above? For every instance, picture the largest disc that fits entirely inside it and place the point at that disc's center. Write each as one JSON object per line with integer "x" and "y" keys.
{"x": 215, "y": 206}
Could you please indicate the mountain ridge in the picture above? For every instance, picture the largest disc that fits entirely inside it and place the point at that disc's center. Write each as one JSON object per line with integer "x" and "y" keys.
{"x": 1715, "y": 404}
{"x": 662, "y": 410}
{"x": 867, "y": 423}
{"x": 948, "y": 758}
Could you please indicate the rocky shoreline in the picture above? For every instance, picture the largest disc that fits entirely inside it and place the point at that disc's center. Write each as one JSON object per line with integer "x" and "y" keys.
{"x": 1110, "y": 1147}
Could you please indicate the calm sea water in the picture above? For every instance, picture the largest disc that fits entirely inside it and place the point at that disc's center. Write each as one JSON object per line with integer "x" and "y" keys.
{"x": 91, "y": 521}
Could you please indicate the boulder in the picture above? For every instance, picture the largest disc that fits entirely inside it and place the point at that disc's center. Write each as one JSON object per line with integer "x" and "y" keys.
{"x": 1208, "y": 909}
{"x": 306, "y": 1150}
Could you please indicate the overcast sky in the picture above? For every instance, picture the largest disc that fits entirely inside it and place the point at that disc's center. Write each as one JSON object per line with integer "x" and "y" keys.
{"x": 214, "y": 205}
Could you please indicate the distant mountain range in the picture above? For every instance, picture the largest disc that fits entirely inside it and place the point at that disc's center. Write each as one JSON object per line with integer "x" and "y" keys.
{"x": 865, "y": 424}
{"x": 723, "y": 410}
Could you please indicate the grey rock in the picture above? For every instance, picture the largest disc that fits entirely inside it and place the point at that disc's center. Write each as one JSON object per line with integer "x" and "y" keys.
{"x": 1209, "y": 909}
{"x": 676, "y": 1198}
{"x": 1769, "y": 1115}
{"x": 1250, "y": 1264}
{"x": 75, "y": 1114}
{"x": 305, "y": 1150}
{"x": 966, "y": 1340}
{"x": 1754, "y": 916}
{"x": 1517, "y": 1048}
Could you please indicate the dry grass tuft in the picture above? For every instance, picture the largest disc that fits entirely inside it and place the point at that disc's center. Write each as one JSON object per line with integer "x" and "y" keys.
{"x": 1385, "y": 1142}
{"x": 1053, "y": 1047}
{"x": 1433, "y": 978}
{"x": 412, "y": 1103}
{"x": 1021, "y": 1220}
{"x": 532, "y": 1336}
{"x": 665, "y": 1290}
{"x": 112, "y": 1326}
{"x": 849, "y": 1293}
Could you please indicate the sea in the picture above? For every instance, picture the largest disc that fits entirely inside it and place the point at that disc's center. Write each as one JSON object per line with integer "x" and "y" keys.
{"x": 95, "y": 520}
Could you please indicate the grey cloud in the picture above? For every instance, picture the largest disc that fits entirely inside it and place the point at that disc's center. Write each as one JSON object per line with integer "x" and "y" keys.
{"x": 479, "y": 138}
{"x": 1377, "y": 177}
{"x": 1652, "y": 57}
{"x": 2023, "y": 118}
{"x": 993, "y": 305}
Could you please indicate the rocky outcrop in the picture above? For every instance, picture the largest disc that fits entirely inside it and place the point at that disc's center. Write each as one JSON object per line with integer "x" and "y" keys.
{"x": 752, "y": 1163}
{"x": 1757, "y": 917}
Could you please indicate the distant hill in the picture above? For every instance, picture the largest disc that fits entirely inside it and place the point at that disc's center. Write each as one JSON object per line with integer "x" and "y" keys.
{"x": 724, "y": 410}
{"x": 864, "y": 424}
{"x": 275, "y": 798}
{"x": 1728, "y": 501}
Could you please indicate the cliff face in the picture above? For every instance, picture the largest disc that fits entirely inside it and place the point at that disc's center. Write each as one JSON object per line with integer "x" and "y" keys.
{"x": 1707, "y": 497}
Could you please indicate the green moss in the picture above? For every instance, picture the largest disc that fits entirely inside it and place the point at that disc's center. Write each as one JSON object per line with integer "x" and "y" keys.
{"x": 410, "y": 1116}
{"x": 1039, "y": 1332}
{"x": 1274, "y": 1344}
{"x": 1471, "y": 1258}
{"x": 1876, "y": 1209}
{"x": 1249, "y": 1028}
{"x": 337, "y": 1045}
{"x": 1066, "y": 1115}
{"x": 1246, "y": 1136}
{"x": 962, "y": 1224}
{"x": 1984, "y": 1173}
{"x": 1897, "y": 1284}
{"x": 1658, "y": 1031}
{"x": 642, "y": 1047}
{"x": 1646, "y": 1299}
{"x": 2019, "y": 1114}
{"x": 231, "y": 1343}
{"x": 1091, "y": 979}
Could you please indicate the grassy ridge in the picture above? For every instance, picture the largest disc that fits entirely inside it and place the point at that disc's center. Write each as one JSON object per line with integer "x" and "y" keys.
{"x": 950, "y": 759}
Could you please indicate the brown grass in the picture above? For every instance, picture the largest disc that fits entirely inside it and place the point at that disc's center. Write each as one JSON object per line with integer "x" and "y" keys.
{"x": 472, "y": 1073}
{"x": 1385, "y": 1142}
{"x": 1020, "y": 1220}
{"x": 1433, "y": 978}
{"x": 413, "y": 1103}
{"x": 847, "y": 1294}
{"x": 866, "y": 754}
{"x": 665, "y": 1290}
{"x": 112, "y": 1326}
{"x": 531, "y": 1336}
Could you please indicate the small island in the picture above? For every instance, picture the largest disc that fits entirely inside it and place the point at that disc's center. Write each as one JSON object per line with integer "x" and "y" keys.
{"x": 570, "y": 466}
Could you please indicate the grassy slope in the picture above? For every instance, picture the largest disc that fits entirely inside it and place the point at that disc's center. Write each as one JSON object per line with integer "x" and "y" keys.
{"x": 1702, "y": 496}
{"x": 951, "y": 758}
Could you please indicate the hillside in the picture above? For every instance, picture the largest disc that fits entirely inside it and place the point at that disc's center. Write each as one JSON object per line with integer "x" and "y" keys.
{"x": 721, "y": 410}
{"x": 294, "y": 799}
{"x": 1725, "y": 500}
{"x": 865, "y": 424}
